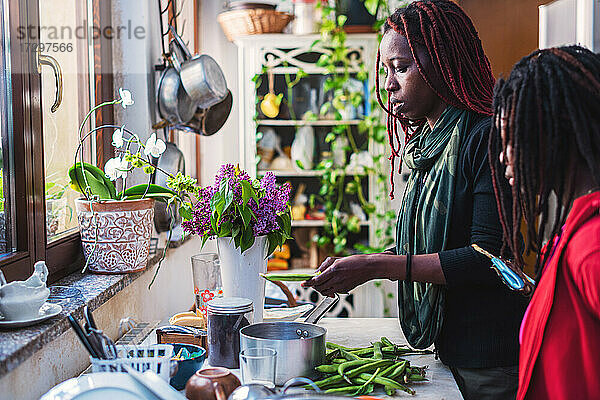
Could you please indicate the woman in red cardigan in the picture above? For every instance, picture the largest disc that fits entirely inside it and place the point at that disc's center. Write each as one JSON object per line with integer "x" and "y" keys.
{"x": 546, "y": 139}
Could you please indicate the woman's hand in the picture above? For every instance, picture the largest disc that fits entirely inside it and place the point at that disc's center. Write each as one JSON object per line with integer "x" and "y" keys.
{"x": 340, "y": 275}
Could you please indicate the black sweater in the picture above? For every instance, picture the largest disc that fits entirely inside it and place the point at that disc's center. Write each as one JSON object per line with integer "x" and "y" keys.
{"x": 482, "y": 316}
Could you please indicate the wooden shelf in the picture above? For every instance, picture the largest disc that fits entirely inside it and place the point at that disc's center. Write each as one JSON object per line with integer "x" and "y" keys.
{"x": 296, "y": 122}
{"x": 296, "y": 174}
{"x": 309, "y": 223}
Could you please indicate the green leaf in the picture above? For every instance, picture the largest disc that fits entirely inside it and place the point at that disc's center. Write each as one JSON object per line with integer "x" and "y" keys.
{"x": 246, "y": 215}
{"x": 274, "y": 240}
{"x": 371, "y": 6}
{"x": 341, "y": 20}
{"x": 100, "y": 179}
{"x": 300, "y": 164}
{"x": 246, "y": 192}
{"x": 247, "y": 239}
{"x": 148, "y": 189}
{"x": 225, "y": 229}
{"x": 185, "y": 210}
{"x": 330, "y": 137}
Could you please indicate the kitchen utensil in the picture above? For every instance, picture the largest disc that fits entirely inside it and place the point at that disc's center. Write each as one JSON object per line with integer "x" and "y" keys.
{"x": 251, "y": 391}
{"x": 156, "y": 358}
{"x": 201, "y": 76}
{"x": 47, "y": 311}
{"x": 208, "y": 121}
{"x": 258, "y": 365}
{"x": 186, "y": 368}
{"x": 211, "y": 384}
{"x": 174, "y": 104}
{"x": 510, "y": 275}
{"x": 100, "y": 385}
{"x": 206, "y": 274}
{"x": 171, "y": 161}
{"x": 87, "y": 313}
{"x": 152, "y": 382}
{"x": 287, "y": 313}
{"x": 300, "y": 346}
{"x": 82, "y": 337}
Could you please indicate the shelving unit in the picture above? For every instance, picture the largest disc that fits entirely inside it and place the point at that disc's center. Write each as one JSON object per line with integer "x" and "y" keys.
{"x": 286, "y": 54}
{"x": 321, "y": 122}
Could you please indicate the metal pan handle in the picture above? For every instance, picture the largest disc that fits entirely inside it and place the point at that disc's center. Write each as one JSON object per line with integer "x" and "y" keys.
{"x": 319, "y": 311}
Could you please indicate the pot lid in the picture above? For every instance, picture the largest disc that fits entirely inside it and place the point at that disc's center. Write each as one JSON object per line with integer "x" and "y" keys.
{"x": 230, "y": 305}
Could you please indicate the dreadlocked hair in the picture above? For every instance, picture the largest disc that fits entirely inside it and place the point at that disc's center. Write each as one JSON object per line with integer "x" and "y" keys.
{"x": 458, "y": 61}
{"x": 549, "y": 109}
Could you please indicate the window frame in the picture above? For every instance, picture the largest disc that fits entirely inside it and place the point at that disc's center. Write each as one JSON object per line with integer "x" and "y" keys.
{"x": 63, "y": 256}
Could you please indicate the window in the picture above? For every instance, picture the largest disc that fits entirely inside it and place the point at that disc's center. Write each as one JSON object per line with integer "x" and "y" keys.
{"x": 54, "y": 67}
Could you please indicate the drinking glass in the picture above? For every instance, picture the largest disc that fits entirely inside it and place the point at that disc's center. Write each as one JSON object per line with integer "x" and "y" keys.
{"x": 206, "y": 272}
{"x": 258, "y": 365}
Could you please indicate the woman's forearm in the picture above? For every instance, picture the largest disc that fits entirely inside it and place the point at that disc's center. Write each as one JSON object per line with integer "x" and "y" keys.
{"x": 425, "y": 267}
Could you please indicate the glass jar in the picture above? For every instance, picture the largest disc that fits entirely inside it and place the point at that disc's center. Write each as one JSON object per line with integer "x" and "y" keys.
{"x": 226, "y": 316}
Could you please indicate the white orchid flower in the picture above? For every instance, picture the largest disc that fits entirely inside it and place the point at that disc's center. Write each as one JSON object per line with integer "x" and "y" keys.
{"x": 117, "y": 137}
{"x": 126, "y": 98}
{"x": 154, "y": 146}
{"x": 116, "y": 168}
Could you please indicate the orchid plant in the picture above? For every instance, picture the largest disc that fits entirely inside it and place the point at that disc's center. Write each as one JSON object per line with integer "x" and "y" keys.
{"x": 130, "y": 154}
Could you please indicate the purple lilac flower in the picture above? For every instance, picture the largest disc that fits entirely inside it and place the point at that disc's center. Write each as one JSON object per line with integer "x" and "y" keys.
{"x": 273, "y": 201}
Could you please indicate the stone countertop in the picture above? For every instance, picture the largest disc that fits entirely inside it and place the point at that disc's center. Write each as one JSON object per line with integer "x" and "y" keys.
{"x": 360, "y": 332}
{"x": 17, "y": 345}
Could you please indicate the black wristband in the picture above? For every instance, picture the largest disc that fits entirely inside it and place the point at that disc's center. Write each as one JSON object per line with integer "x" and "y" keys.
{"x": 408, "y": 267}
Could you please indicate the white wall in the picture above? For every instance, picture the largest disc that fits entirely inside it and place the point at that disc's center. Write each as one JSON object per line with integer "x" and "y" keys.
{"x": 223, "y": 146}
{"x": 65, "y": 356}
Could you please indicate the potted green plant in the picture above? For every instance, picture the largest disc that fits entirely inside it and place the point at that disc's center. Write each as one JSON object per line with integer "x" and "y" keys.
{"x": 249, "y": 218}
{"x": 116, "y": 226}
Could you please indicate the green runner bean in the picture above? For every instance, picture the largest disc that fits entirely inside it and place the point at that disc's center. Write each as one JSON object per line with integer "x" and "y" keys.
{"x": 351, "y": 364}
{"x": 327, "y": 368}
{"x": 377, "y": 354}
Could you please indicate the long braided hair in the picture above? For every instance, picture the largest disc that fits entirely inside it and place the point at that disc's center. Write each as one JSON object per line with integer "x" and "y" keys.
{"x": 458, "y": 62}
{"x": 549, "y": 108}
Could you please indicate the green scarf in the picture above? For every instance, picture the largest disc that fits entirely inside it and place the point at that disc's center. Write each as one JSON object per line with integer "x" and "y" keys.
{"x": 423, "y": 225}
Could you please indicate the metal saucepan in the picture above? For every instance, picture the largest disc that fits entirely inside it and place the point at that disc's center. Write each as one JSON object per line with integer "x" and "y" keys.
{"x": 174, "y": 104}
{"x": 171, "y": 161}
{"x": 300, "y": 346}
{"x": 201, "y": 76}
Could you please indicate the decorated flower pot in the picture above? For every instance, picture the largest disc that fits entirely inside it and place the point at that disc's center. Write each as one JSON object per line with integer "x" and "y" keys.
{"x": 115, "y": 235}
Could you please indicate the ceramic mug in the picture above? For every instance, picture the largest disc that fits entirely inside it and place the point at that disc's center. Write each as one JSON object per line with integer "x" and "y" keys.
{"x": 211, "y": 384}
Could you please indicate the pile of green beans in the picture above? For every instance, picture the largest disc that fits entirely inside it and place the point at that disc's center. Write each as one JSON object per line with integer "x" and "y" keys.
{"x": 360, "y": 370}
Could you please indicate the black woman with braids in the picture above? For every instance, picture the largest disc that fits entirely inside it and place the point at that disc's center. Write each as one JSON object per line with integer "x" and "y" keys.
{"x": 440, "y": 90}
{"x": 546, "y": 139}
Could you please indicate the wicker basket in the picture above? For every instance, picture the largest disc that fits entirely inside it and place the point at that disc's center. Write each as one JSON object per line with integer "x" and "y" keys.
{"x": 252, "y": 22}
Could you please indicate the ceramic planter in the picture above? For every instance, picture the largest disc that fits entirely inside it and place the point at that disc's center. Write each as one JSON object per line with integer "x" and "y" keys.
{"x": 240, "y": 271}
{"x": 115, "y": 235}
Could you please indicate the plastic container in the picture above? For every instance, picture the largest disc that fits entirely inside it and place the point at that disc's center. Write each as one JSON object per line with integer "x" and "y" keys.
{"x": 226, "y": 316}
{"x": 155, "y": 357}
{"x": 186, "y": 368}
{"x": 305, "y": 21}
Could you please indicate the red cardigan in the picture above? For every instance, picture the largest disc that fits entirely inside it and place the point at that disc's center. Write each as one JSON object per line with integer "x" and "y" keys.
{"x": 560, "y": 344}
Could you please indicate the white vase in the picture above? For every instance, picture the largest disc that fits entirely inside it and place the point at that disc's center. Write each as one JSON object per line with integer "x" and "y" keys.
{"x": 240, "y": 272}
